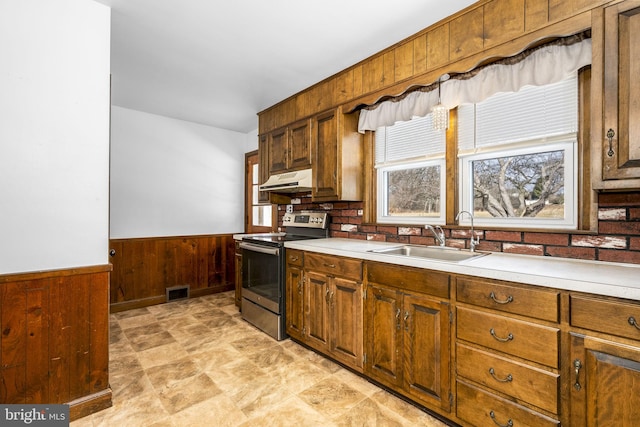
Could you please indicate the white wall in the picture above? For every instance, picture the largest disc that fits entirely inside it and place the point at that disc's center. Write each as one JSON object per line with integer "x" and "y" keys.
{"x": 252, "y": 141}
{"x": 174, "y": 178}
{"x": 54, "y": 134}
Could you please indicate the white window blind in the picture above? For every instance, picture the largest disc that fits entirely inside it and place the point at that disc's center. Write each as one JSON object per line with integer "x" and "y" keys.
{"x": 411, "y": 140}
{"x": 534, "y": 112}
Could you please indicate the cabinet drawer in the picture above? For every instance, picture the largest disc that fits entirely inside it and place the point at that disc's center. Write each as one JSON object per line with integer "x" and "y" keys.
{"x": 481, "y": 408}
{"x": 524, "y": 382}
{"x": 607, "y": 316}
{"x": 536, "y": 303}
{"x": 334, "y": 265}
{"x": 528, "y": 340}
{"x": 295, "y": 257}
{"x": 409, "y": 278}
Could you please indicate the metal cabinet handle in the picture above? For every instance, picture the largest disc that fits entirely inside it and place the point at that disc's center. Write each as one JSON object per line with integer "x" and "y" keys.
{"x": 326, "y": 295}
{"x": 398, "y": 319}
{"x": 507, "y": 379}
{"x": 497, "y": 301}
{"x": 632, "y": 322}
{"x": 293, "y": 258}
{"x": 330, "y": 265}
{"x": 405, "y": 318}
{"x": 508, "y": 338}
{"x": 610, "y": 134}
{"x": 577, "y": 365}
{"x": 493, "y": 417}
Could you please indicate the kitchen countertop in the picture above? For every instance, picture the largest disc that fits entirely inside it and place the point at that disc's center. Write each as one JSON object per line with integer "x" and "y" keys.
{"x": 596, "y": 277}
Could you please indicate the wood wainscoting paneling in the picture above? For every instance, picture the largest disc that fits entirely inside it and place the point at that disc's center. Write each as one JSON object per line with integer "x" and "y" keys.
{"x": 143, "y": 268}
{"x": 54, "y": 338}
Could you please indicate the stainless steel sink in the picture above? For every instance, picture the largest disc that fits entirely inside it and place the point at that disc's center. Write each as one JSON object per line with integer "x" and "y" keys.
{"x": 436, "y": 253}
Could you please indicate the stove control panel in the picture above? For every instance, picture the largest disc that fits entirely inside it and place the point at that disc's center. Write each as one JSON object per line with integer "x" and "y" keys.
{"x": 305, "y": 219}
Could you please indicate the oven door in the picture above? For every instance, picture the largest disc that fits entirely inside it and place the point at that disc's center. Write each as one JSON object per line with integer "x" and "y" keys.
{"x": 262, "y": 275}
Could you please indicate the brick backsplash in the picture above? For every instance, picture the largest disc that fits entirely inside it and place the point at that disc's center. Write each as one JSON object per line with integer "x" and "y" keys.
{"x": 617, "y": 240}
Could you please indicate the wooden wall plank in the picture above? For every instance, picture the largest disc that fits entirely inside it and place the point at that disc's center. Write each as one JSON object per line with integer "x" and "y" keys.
{"x": 344, "y": 87}
{"x": 561, "y": 9}
{"x": 404, "y": 57}
{"x": 503, "y": 21}
{"x": 466, "y": 34}
{"x": 420, "y": 54}
{"x": 536, "y": 14}
{"x": 77, "y": 313}
{"x": 48, "y": 341}
{"x": 37, "y": 356}
{"x": 438, "y": 42}
{"x": 59, "y": 342}
{"x": 145, "y": 267}
{"x": 99, "y": 333}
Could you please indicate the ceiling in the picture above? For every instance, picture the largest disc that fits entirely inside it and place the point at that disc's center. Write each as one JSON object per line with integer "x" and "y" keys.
{"x": 220, "y": 63}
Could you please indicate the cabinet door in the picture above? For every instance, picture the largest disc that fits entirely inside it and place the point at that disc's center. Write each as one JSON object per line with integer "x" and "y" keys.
{"x": 621, "y": 156}
{"x": 383, "y": 335}
{"x": 294, "y": 301}
{"x": 346, "y": 321}
{"x": 605, "y": 383}
{"x": 278, "y": 151}
{"x": 326, "y": 161}
{"x": 316, "y": 310}
{"x": 300, "y": 145}
{"x": 426, "y": 346}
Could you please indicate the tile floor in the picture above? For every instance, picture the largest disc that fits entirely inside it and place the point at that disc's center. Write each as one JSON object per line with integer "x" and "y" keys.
{"x": 197, "y": 363}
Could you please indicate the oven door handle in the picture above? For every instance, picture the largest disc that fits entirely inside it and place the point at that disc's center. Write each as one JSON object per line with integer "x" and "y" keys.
{"x": 261, "y": 249}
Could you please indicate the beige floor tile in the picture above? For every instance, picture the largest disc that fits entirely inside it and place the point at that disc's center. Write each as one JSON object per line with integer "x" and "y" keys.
{"x": 197, "y": 363}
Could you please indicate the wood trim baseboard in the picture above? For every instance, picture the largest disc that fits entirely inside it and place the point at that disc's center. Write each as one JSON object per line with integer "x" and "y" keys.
{"x": 161, "y": 299}
{"x": 87, "y": 405}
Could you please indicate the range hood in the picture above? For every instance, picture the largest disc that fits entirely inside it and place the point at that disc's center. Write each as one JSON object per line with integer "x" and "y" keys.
{"x": 289, "y": 182}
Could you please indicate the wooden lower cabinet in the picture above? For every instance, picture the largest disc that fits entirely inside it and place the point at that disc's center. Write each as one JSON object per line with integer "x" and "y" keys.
{"x": 294, "y": 302}
{"x": 605, "y": 386}
{"x": 521, "y": 355}
{"x": 605, "y": 362}
{"x": 507, "y": 367}
{"x": 324, "y": 306}
{"x": 408, "y": 342}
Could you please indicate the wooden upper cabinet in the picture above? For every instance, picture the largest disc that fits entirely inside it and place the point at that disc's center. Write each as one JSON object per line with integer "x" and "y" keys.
{"x": 619, "y": 137}
{"x": 503, "y": 21}
{"x": 278, "y": 151}
{"x": 337, "y": 157}
{"x": 300, "y": 145}
{"x": 290, "y": 148}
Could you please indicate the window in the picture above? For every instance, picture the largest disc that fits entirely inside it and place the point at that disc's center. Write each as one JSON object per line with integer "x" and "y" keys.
{"x": 517, "y": 155}
{"x": 410, "y": 164}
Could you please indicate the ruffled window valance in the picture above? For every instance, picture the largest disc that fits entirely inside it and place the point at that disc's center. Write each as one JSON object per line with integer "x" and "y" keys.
{"x": 540, "y": 66}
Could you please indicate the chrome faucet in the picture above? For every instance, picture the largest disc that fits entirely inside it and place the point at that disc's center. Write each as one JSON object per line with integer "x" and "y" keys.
{"x": 473, "y": 242}
{"x": 439, "y": 235}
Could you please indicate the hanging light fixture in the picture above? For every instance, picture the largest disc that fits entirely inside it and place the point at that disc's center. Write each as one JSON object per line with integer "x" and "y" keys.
{"x": 440, "y": 113}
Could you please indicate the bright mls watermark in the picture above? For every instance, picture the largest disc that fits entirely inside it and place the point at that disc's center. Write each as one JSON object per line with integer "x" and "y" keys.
{"x": 34, "y": 415}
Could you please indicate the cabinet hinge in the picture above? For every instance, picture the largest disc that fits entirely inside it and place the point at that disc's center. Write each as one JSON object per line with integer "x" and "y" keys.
{"x": 364, "y": 359}
{"x": 450, "y": 317}
{"x": 450, "y": 399}
{"x": 364, "y": 294}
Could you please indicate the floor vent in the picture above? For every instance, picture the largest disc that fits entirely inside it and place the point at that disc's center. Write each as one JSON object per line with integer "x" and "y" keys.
{"x": 176, "y": 293}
